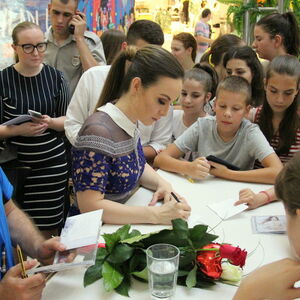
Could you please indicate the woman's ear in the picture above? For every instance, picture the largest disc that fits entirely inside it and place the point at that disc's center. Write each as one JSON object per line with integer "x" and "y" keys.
{"x": 278, "y": 41}
{"x": 136, "y": 84}
{"x": 265, "y": 84}
{"x": 207, "y": 97}
{"x": 13, "y": 46}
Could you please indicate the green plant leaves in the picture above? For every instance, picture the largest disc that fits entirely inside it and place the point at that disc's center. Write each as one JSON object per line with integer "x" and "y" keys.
{"x": 180, "y": 228}
{"x": 142, "y": 274}
{"x": 92, "y": 274}
{"x": 112, "y": 277}
{"x": 120, "y": 253}
{"x": 124, "y": 256}
{"x": 191, "y": 278}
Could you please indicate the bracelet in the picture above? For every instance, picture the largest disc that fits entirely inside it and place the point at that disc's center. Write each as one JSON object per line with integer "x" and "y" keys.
{"x": 268, "y": 196}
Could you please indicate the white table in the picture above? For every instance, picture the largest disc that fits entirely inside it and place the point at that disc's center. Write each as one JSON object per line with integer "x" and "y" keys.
{"x": 262, "y": 248}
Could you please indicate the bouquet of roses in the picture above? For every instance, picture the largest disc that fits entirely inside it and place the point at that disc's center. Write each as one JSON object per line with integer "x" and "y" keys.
{"x": 201, "y": 262}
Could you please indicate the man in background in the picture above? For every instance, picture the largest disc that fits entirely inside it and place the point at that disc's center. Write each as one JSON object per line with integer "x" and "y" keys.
{"x": 71, "y": 49}
{"x": 202, "y": 33}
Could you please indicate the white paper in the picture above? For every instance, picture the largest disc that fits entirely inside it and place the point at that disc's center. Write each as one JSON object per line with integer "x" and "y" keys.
{"x": 81, "y": 230}
{"x": 226, "y": 209}
{"x": 18, "y": 120}
{"x": 80, "y": 235}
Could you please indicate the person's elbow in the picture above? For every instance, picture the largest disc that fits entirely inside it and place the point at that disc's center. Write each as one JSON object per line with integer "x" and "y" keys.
{"x": 159, "y": 159}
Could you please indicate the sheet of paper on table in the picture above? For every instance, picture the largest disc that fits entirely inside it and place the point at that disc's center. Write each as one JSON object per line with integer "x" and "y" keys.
{"x": 80, "y": 235}
{"x": 226, "y": 209}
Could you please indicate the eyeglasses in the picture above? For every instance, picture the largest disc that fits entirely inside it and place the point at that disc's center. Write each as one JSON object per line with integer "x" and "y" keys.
{"x": 29, "y": 48}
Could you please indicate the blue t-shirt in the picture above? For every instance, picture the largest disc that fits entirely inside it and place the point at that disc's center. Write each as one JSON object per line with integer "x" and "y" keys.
{"x": 5, "y": 241}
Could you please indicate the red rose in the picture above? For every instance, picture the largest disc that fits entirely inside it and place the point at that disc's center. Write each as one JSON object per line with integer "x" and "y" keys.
{"x": 210, "y": 261}
{"x": 236, "y": 255}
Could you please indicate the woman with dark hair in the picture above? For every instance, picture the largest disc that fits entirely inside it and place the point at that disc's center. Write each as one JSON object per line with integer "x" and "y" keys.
{"x": 278, "y": 118}
{"x": 113, "y": 42}
{"x": 184, "y": 48}
{"x": 242, "y": 61}
{"x": 277, "y": 34}
{"x": 108, "y": 159}
{"x": 214, "y": 55}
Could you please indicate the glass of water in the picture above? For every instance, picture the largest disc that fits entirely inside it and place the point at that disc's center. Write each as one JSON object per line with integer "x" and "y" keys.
{"x": 162, "y": 263}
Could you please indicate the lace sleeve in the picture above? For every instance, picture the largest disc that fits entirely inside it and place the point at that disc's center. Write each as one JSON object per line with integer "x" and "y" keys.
{"x": 90, "y": 170}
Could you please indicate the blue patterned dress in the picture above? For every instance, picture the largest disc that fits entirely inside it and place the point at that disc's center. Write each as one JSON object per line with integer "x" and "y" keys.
{"x": 108, "y": 156}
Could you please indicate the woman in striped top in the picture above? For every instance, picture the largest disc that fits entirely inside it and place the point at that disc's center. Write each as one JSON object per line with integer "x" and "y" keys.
{"x": 278, "y": 118}
{"x": 31, "y": 85}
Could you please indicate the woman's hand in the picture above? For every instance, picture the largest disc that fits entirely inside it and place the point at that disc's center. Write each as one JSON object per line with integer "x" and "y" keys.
{"x": 171, "y": 210}
{"x": 199, "y": 168}
{"x": 31, "y": 129}
{"x": 163, "y": 192}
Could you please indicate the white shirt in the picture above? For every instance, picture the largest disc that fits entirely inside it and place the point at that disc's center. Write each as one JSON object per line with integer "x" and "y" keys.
{"x": 84, "y": 100}
{"x": 178, "y": 125}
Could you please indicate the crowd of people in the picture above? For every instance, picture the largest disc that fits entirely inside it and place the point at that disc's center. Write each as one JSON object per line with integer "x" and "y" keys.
{"x": 111, "y": 109}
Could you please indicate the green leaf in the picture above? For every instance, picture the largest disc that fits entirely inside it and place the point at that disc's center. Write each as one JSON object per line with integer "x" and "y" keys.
{"x": 180, "y": 228}
{"x": 207, "y": 239}
{"x": 137, "y": 262}
{"x": 182, "y": 273}
{"x": 123, "y": 288}
{"x": 142, "y": 274}
{"x": 123, "y": 232}
{"x": 197, "y": 233}
{"x": 186, "y": 258}
{"x": 101, "y": 254}
{"x": 112, "y": 277}
{"x": 131, "y": 234}
{"x": 120, "y": 253}
{"x": 191, "y": 278}
{"x": 111, "y": 239}
{"x": 137, "y": 238}
{"x": 166, "y": 236}
{"x": 92, "y": 274}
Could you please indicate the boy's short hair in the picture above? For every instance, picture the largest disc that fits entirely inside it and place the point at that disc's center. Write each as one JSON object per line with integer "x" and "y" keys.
{"x": 235, "y": 84}
{"x": 146, "y": 30}
{"x": 287, "y": 185}
{"x": 205, "y": 12}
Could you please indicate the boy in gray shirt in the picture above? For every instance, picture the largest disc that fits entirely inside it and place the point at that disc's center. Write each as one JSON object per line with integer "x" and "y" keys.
{"x": 228, "y": 136}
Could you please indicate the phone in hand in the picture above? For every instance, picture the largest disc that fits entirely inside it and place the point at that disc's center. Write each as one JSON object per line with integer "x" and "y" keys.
{"x": 35, "y": 114}
{"x": 71, "y": 28}
{"x": 222, "y": 162}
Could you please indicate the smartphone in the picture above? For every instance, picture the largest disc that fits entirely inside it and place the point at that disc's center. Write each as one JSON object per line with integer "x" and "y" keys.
{"x": 71, "y": 28}
{"x": 222, "y": 162}
{"x": 35, "y": 114}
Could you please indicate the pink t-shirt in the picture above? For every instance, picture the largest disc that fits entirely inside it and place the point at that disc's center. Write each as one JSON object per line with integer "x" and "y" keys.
{"x": 202, "y": 29}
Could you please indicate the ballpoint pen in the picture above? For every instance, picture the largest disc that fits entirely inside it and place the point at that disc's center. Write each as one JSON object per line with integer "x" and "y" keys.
{"x": 3, "y": 260}
{"x": 175, "y": 197}
{"x": 21, "y": 261}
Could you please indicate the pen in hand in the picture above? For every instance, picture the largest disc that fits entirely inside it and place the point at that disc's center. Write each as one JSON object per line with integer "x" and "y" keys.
{"x": 175, "y": 197}
{"x": 21, "y": 261}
